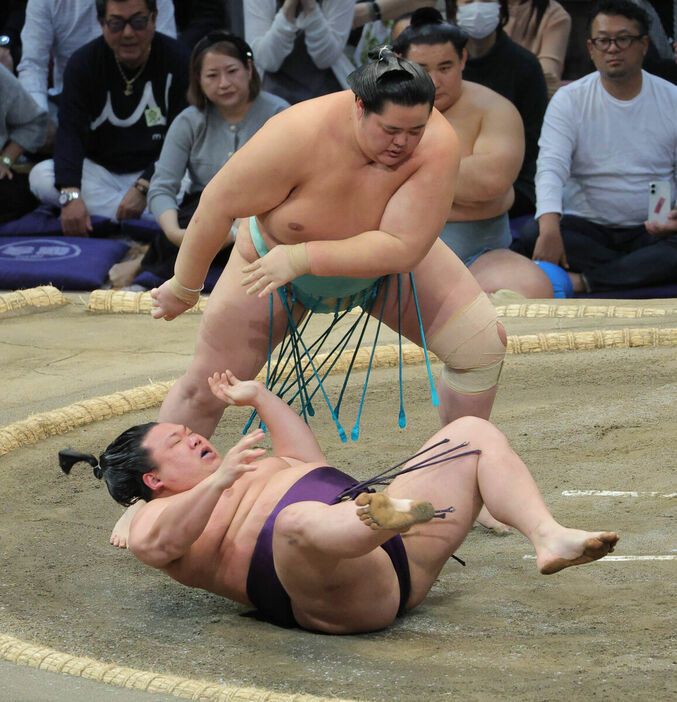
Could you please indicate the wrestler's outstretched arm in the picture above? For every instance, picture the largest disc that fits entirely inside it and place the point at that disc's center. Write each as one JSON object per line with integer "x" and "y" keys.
{"x": 166, "y": 528}
{"x": 256, "y": 179}
{"x": 291, "y": 436}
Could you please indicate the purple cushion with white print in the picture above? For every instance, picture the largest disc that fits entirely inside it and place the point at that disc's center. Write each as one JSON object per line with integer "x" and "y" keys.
{"x": 66, "y": 262}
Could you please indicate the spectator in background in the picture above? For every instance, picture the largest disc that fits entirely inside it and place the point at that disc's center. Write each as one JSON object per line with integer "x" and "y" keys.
{"x": 542, "y": 27}
{"x": 491, "y": 139}
{"x": 374, "y": 22}
{"x": 23, "y": 126}
{"x": 227, "y": 108}
{"x": 196, "y": 18}
{"x": 54, "y": 29}
{"x": 660, "y": 57}
{"x": 605, "y": 137}
{"x": 120, "y": 93}
{"x": 299, "y": 44}
{"x": 12, "y": 16}
{"x": 496, "y": 61}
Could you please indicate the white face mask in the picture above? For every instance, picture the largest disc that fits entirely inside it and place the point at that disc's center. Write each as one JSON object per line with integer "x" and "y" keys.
{"x": 478, "y": 19}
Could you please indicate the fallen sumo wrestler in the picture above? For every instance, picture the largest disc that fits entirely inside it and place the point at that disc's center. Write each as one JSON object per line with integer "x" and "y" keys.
{"x": 304, "y": 543}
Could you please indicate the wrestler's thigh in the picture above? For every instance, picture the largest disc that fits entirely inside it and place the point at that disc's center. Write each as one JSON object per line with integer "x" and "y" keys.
{"x": 503, "y": 268}
{"x": 450, "y": 484}
{"x": 444, "y": 286}
{"x": 346, "y": 595}
{"x": 235, "y": 327}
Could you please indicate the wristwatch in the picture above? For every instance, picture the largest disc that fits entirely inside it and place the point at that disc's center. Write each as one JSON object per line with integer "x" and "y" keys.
{"x": 68, "y": 196}
{"x": 5, "y": 40}
{"x": 143, "y": 189}
{"x": 6, "y": 160}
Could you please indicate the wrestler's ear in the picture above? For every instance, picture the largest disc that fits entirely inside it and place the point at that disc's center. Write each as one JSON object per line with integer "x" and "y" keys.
{"x": 464, "y": 57}
{"x": 151, "y": 481}
{"x": 359, "y": 107}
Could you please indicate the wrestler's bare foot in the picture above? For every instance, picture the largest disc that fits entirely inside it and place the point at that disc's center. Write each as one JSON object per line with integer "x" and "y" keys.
{"x": 486, "y": 519}
{"x": 572, "y": 547}
{"x": 379, "y": 511}
{"x": 120, "y": 534}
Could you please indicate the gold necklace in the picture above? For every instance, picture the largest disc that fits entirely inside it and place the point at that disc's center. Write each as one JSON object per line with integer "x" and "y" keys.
{"x": 130, "y": 81}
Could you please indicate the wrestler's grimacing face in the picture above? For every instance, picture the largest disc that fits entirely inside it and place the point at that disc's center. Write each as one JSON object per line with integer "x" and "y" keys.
{"x": 390, "y": 137}
{"x": 183, "y": 458}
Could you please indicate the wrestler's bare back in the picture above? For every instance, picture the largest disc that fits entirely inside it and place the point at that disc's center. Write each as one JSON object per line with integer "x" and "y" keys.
{"x": 218, "y": 561}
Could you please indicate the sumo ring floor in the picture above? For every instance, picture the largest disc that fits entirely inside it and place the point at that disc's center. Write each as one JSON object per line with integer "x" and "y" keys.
{"x": 597, "y": 428}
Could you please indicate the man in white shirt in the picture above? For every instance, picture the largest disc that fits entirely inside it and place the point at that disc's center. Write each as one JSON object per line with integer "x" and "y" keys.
{"x": 605, "y": 138}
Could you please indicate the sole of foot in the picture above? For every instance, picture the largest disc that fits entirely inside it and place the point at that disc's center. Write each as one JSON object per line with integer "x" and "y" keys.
{"x": 379, "y": 511}
{"x": 594, "y": 548}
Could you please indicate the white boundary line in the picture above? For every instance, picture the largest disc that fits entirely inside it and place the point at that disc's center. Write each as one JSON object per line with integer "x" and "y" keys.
{"x": 614, "y": 493}
{"x": 621, "y": 558}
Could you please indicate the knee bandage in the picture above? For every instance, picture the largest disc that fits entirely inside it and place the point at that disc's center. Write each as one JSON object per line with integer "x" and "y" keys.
{"x": 469, "y": 346}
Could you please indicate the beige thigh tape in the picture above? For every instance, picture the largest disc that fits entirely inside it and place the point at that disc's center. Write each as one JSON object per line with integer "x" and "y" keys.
{"x": 470, "y": 348}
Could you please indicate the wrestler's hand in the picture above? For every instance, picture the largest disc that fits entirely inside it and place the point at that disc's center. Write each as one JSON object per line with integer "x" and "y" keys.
{"x": 280, "y": 265}
{"x": 165, "y": 304}
{"x": 239, "y": 460}
{"x": 233, "y": 391}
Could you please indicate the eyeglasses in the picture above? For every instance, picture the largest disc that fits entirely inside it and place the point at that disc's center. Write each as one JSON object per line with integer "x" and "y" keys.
{"x": 622, "y": 42}
{"x": 117, "y": 24}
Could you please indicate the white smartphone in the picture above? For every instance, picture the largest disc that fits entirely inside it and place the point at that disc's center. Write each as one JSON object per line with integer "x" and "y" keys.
{"x": 659, "y": 201}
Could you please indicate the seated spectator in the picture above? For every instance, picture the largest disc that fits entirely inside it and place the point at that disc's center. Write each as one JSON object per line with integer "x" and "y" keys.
{"x": 660, "y": 58}
{"x": 605, "y": 138}
{"x": 228, "y": 107}
{"x": 374, "y": 22}
{"x": 23, "y": 126}
{"x": 55, "y": 29}
{"x": 496, "y": 61}
{"x": 120, "y": 93}
{"x": 542, "y": 27}
{"x": 491, "y": 139}
{"x": 196, "y": 18}
{"x": 12, "y": 16}
{"x": 299, "y": 44}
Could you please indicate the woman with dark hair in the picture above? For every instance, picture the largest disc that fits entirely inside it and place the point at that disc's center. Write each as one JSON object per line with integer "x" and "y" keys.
{"x": 227, "y": 108}
{"x": 542, "y": 27}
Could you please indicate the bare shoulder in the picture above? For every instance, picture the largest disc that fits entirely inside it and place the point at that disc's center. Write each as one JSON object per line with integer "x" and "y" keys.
{"x": 301, "y": 126}
{"x": 439, "y": 145}
{"x": 487, "y": 100}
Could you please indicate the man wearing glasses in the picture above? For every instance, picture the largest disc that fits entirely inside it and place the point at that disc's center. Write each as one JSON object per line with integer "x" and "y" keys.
{"x": 605, "y": 138}
{"x": 120, "y": 93}
{"x": 52, "y": 32}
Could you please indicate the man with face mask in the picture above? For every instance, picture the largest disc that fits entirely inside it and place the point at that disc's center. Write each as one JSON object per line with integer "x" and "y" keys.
{"x": 497, "y": 62}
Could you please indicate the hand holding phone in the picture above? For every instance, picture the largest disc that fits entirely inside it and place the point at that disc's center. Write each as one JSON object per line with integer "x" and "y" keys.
{"x": 659, "y": 202}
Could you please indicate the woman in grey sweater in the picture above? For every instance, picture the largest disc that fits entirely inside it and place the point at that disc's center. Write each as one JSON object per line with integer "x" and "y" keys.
{"x": 227, "y": 108}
